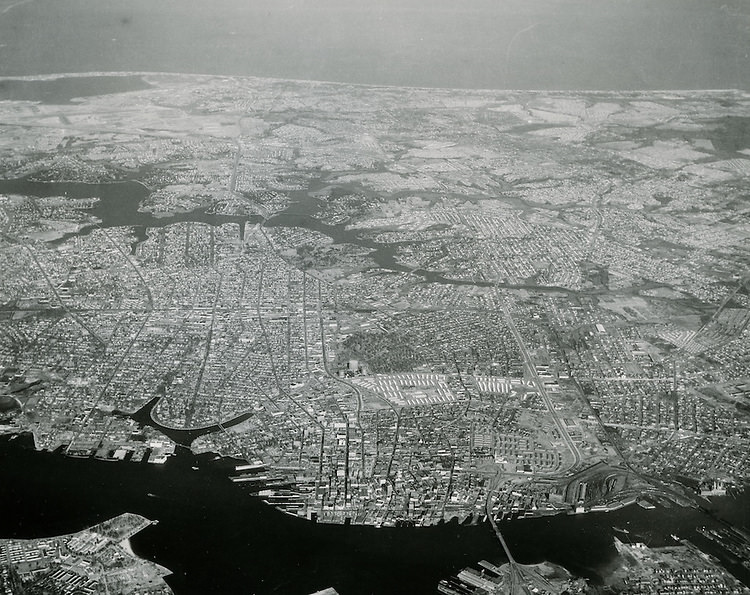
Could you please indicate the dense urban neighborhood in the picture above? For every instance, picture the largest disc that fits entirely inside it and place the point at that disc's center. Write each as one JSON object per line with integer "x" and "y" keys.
{"x": 387, "y": 306}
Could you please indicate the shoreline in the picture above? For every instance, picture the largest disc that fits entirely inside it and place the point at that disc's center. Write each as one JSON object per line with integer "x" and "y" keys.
{"x": 49, "y": 76}
{"x": 127, "y": 546}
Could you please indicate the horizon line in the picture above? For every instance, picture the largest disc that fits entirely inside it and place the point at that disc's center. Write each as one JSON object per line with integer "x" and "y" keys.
{"x": 59, "y": 75}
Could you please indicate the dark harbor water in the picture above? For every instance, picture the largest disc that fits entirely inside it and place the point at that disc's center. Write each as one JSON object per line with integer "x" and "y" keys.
{"x": 218, "y": 539}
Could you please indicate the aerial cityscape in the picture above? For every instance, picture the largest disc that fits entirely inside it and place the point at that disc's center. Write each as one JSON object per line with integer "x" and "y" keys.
{"x": 390, "y": 307}
{"x": 348, "y": 297}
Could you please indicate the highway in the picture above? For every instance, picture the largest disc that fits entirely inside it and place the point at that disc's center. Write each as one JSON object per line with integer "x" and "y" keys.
{"x": 529, "y": 363}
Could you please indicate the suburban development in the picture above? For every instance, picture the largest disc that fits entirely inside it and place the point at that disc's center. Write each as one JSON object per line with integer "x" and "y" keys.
{"x": 388, "y": 306}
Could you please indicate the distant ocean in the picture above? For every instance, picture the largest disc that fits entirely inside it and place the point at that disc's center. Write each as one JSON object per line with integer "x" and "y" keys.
{"x": 496, "y": 44}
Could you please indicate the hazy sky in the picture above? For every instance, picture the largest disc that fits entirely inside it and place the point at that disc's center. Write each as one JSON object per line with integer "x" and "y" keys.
{"x": 545, "y": 44}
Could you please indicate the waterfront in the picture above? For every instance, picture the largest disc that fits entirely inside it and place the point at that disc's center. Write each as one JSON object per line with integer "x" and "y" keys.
{"x": 118, "y": 204}
{"x": 217, "y": 539}
{"x": 64, "y": 89}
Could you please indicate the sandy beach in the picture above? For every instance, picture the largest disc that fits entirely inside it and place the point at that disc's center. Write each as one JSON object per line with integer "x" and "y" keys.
{"x": 125, "y": 544}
